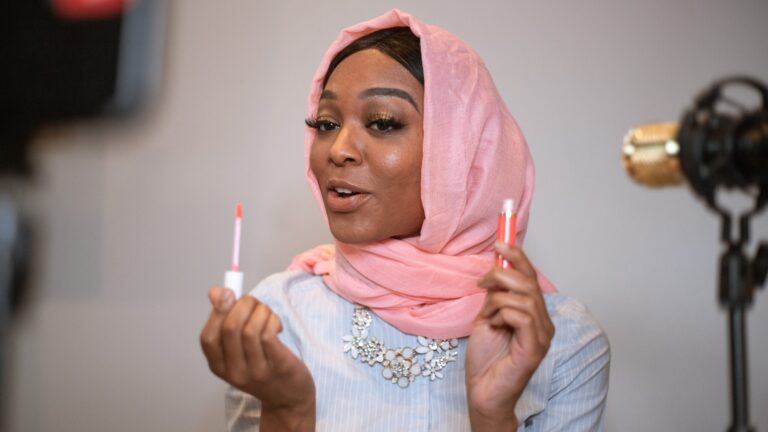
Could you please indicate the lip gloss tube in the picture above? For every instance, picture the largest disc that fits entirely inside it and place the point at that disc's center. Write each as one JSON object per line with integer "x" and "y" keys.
{"x": 506, "y": 230}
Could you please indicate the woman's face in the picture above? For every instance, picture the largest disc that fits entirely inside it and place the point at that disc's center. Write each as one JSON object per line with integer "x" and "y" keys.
{"x": 367, "y": 152}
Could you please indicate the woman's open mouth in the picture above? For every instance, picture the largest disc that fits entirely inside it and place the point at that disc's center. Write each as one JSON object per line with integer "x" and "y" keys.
{"x": 343, "y": 200}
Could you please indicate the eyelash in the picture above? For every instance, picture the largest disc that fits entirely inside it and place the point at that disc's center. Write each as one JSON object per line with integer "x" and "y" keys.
{"x": 319, "y": 125}
{"x": 385, "y": 123}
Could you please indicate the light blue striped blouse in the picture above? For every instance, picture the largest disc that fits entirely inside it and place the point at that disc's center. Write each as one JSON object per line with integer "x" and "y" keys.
{"x": 567, "y": 392}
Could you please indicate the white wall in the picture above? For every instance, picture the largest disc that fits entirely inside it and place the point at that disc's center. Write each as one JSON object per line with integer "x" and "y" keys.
{"x": 134, "y": 220}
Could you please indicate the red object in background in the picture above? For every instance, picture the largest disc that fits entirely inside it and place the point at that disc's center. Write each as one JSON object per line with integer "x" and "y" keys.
{"x": 89, "y": 9}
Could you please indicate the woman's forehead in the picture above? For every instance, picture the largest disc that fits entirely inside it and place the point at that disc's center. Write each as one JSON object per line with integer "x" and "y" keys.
{"x": 369, "y": 69}
{"x": 369, "y": 75}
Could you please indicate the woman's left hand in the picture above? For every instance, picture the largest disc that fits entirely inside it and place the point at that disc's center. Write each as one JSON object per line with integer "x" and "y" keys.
{"x": 510, "y": 337}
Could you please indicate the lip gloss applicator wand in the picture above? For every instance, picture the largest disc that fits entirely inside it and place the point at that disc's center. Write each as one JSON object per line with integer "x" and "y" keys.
{"x": 233, "y": 279}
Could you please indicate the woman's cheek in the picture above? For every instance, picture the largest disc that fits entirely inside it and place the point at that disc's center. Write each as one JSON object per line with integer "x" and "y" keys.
{"x": 392, "y": 163}
{"x": 400, "y": 165}
{"x": 315, "y": 160}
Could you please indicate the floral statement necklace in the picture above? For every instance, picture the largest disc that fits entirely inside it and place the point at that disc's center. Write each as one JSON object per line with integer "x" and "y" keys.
{"x": 403, "y": 365}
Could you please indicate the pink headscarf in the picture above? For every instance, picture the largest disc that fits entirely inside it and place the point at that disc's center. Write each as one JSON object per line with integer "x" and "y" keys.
{"x": 474, "y": 156}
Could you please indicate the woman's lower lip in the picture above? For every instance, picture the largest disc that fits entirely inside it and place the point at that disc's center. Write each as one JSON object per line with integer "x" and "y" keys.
{"x": 347, "y": 204}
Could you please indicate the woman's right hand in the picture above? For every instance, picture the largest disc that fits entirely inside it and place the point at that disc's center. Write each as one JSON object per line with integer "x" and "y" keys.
{"x": 241, "y": 345}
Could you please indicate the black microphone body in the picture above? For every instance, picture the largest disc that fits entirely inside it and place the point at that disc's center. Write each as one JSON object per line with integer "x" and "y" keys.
{"x": 719, "y": 149}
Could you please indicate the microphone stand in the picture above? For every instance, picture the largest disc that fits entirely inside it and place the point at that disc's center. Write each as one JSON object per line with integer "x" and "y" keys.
{"x": 739, "y": 276}
{"x": 720, "y": 149}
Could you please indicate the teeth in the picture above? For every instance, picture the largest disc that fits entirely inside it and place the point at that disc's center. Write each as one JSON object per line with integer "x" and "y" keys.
{"x": 343, "y": 191}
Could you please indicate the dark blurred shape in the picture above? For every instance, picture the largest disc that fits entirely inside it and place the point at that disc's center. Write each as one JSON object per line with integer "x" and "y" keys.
{"x": 63, "y": 60}
{"x": 720, "y": 143}
{"x": 69, "y": 59}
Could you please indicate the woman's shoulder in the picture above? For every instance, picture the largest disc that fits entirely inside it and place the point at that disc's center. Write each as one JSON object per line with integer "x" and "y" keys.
{"x": 571, "y": 384}
{"x": 279, "y": 284}
{"x": 580, "y": 345}
{"x": 289, "y": 287}
{"x": 572, "y": 319}
{"x": 570, "y": 387}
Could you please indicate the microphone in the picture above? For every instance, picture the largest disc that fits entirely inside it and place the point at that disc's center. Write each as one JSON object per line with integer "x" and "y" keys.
{"x": 719, "y": 142}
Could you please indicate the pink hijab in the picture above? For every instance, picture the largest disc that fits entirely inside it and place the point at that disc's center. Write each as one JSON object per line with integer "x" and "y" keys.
{"x": 474, "y": 156}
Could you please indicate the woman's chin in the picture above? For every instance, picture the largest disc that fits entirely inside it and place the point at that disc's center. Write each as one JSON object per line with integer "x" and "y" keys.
{"x": 354, "y": 234}
{"x": 360, "y": 238}
{"x": 353, "y": 239}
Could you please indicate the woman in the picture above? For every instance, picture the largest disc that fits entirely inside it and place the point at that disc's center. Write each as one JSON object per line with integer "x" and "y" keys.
{"x": 404, "y": 325}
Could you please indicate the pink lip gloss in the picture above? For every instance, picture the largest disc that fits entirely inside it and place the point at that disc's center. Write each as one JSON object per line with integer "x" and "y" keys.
{"x": 233, "y": 279}
{"x": 507, "y": 229}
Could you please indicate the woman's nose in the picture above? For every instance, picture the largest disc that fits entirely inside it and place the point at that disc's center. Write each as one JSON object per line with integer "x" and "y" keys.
{"x": 345, "y": 149}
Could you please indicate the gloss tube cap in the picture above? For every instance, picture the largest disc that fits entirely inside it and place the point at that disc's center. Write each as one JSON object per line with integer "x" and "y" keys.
{"x": 234, "y": 281}
{"x": 508, "y": 206}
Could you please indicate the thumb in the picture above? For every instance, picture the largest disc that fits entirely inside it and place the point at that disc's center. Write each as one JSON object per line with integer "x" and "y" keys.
{"x": 222, "y": 299}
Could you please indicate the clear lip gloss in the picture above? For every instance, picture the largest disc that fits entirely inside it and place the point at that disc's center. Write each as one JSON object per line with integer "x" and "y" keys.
{"x": 233, "y": 279}
{"x": 507, "y": 229}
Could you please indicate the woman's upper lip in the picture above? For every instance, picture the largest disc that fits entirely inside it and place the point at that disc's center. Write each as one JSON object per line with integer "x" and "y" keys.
{"x": 339, "y": 183}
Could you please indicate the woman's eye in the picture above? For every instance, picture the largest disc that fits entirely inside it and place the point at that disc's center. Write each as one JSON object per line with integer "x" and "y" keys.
{"x": 326, "y": 125}
{"x": 322, "y": 125}
{"x": 385, "y": 125}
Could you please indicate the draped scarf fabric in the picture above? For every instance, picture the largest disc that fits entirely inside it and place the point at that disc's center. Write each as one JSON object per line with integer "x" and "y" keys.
{"x": 474, "y": 156}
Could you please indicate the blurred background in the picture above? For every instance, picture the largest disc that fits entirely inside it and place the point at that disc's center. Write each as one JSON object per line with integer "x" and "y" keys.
{"x": 132, "y": 216}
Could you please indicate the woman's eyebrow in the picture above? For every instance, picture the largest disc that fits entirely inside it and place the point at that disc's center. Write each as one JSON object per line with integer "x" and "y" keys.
{"x": 386, "y": 91}
{"x": 327, "y": 94}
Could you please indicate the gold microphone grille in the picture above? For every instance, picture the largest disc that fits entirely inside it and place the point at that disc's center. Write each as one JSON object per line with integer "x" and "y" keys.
{"x": 650, "y": 155}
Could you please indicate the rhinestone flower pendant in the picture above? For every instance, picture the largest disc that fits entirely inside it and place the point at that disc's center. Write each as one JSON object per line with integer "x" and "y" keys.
{"x": 403, "y": 365}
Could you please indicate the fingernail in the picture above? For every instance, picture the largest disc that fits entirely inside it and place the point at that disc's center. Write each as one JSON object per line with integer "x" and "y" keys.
{"x": 227, "y": 300}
